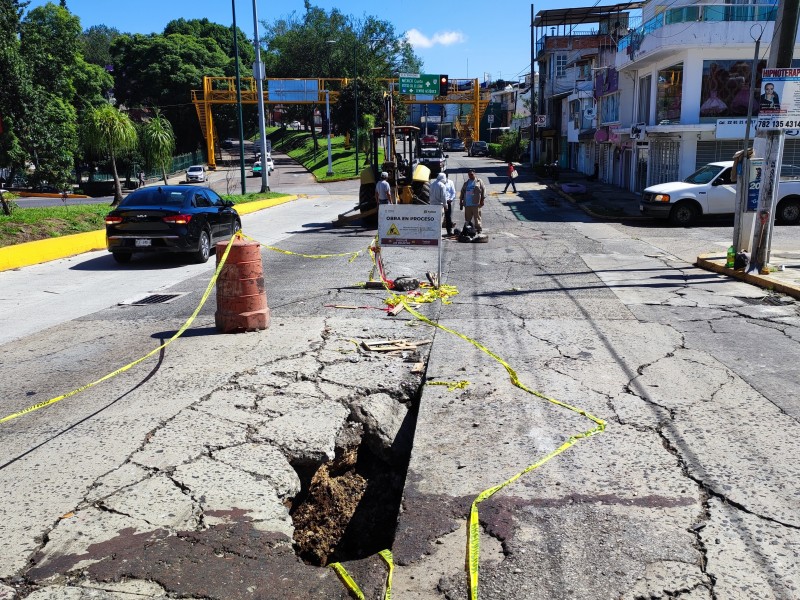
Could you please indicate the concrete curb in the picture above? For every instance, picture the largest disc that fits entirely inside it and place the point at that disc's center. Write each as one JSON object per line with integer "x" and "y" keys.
{"x": 712, "y": 262}
{"x": 39, "y": 251}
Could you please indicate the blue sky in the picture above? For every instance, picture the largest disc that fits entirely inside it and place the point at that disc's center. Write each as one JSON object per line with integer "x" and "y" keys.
{"x": 469, "y": 38}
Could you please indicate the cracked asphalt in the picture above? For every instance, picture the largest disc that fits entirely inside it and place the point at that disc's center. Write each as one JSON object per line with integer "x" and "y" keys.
{"x": 179, "y": 479}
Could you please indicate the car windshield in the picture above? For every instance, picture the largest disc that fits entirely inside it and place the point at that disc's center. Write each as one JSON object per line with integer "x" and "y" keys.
{"x": 480, "y": 144}
{"x": 431, "y": 154}
{"x": 195, "y": 168}
{"x": 703, "y": 174}
{"x": 156, "y": 196}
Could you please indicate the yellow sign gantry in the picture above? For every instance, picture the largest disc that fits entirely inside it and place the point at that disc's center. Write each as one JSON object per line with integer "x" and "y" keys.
{"x": 222, "y": 90}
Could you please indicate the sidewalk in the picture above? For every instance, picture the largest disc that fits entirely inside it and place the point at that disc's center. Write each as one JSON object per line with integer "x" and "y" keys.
{"x": 609, "y": 202}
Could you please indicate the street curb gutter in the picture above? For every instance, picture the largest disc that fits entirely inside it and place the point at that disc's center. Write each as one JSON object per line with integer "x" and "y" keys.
{"x": 716, "y": 263}
{"x": 40, "y": 251}
{"x": 590, "y": 212}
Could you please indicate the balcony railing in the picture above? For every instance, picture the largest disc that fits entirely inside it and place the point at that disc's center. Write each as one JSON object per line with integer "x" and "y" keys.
{"x": 700, "y": 12}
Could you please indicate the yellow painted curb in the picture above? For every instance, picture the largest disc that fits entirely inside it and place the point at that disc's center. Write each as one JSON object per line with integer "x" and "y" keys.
{"x": 33, "y": 253}
{"x": 250, "y": 207}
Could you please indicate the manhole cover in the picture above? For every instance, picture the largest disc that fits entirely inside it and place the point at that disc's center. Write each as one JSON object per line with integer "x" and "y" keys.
{"x": 154, "y": 299}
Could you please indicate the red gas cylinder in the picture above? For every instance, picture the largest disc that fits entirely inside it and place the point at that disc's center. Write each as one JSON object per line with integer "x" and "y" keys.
{"x": 241, "y": 296}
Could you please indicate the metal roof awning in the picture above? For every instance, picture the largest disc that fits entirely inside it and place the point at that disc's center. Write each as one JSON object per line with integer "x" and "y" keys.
{"x": 577, "y": 16}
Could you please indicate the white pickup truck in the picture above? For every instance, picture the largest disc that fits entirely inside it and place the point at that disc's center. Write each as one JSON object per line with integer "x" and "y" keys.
{"x": 709, "y": 191}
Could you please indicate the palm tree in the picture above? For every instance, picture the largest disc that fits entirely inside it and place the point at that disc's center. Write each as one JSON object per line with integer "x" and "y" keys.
{"x": 158, "y": 142}
{"x": 109, "y": 132}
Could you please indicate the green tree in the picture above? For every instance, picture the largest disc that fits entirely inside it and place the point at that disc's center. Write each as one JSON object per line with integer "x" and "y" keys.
{"x": 108, "y": 133}
{"x": 51, "y": 46}
{"x": 16, "y": 90}
{"x": 96, "y": 42}
{"x": 158, "y": 142}
{"x": 162, "y": 70}
{"x": 317, "y": 43}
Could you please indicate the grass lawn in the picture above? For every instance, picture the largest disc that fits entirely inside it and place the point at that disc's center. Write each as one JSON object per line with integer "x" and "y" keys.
{"x": 29, "y": 224}
{"x": 300, "y": 146}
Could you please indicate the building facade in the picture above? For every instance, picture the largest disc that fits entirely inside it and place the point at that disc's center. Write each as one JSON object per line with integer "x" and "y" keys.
{"x": 673, "y": 92}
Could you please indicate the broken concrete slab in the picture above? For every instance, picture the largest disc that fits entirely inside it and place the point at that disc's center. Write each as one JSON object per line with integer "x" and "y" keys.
{"x": 383, "y": 417}
{"x": 186, "y": 437}
{"x": 156, "y": 500}
{"x": 224, "y": 492}
{"x": 263, "y": 460}
{"x": 308, "y": 433}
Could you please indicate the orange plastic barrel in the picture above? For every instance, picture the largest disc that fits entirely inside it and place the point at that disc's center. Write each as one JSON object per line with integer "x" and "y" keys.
{"x": 241, "y": 296}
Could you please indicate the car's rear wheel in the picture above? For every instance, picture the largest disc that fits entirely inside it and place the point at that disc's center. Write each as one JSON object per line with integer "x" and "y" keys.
{"x": 203, "y": 248}
{"x": 683, "y": 214}
{"x": 789, "y": 211}
{"x": 122, "y": 257}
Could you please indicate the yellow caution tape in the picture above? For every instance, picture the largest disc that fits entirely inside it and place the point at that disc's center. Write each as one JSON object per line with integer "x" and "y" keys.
{"x": 386, "y": 555}
{"x": 473, "y": 531}
{"x": 179, "y": 333}
{"x": 451, "y": 385}
{"x": 350, "y": 583}
{"x": 352, "y": 255}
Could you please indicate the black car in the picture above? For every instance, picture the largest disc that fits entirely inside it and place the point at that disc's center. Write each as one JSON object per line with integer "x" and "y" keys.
{"x": 434, "y": 159}
{"x": 478, "y": 149}
{"x": 170, "y": 218}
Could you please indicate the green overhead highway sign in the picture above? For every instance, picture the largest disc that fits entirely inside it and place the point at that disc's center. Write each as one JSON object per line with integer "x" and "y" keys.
{"x": 416, "y": 83}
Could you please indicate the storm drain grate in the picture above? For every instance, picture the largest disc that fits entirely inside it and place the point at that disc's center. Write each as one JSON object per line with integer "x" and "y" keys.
{"x": 154, "y": 299}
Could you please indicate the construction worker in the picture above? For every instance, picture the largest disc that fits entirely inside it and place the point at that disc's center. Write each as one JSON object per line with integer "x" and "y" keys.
{"x": 383, "y": 191}
{"x": 438, "y": 195}
{"x": 473, "y": 193}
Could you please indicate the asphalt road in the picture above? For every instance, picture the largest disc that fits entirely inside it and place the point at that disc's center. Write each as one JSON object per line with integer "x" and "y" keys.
{"x": 688, "y": 493}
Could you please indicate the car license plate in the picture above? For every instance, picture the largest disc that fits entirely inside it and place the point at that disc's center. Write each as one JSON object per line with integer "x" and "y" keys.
{"x": 142, "y": 243}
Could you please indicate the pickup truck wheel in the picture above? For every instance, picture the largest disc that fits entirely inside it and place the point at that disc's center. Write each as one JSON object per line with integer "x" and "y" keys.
{"x": 683, "y": 214}
{"x": 789, "y": 211}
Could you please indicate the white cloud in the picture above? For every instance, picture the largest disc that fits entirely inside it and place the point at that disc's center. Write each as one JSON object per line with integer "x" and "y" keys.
{"x": 442, "y": 38}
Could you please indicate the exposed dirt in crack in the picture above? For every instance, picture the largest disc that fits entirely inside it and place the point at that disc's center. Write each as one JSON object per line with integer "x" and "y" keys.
{"x": 350, "y": 509}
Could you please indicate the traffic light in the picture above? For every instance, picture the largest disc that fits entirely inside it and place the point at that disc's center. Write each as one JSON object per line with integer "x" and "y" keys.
{"x": 443, "y": 81}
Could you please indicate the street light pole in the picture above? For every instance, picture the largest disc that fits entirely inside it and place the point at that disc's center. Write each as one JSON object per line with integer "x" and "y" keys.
{"x": 258, "y": 73}
{"x": 239, "y": 98}
{"x": 328, "y": 119}
{"x": 355, "y": 93}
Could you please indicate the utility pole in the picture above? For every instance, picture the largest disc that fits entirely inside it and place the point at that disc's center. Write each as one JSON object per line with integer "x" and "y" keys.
{"x": 258, "y": 73}
{"x": 239, "y": 98}
{"x": 533, "y": 104}
{"x": 769, "y": 144}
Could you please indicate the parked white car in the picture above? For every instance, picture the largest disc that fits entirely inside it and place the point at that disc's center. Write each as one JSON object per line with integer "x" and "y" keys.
{"x": 709, "y": 191}
{"x": 196, "y": 173}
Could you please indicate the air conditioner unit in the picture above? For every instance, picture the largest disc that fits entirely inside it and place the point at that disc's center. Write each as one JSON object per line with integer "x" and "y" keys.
{"x": 590, "y": 113}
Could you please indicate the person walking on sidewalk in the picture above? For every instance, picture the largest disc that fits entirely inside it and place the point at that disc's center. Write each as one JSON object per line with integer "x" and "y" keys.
{"x": 450, "y": 196}
{"x": 473, "y": 193}
{"x": 512, "y": 174}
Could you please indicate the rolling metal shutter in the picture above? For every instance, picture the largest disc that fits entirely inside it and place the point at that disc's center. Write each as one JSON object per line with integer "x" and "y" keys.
{"x": 708, "y": 152}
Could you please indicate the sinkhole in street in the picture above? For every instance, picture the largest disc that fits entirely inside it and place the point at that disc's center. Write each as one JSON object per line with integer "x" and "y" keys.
{"x": 348, "y": 507}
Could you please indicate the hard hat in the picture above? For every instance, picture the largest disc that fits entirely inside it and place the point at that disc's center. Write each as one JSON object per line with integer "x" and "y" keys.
{"x": 384, "y": 175}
